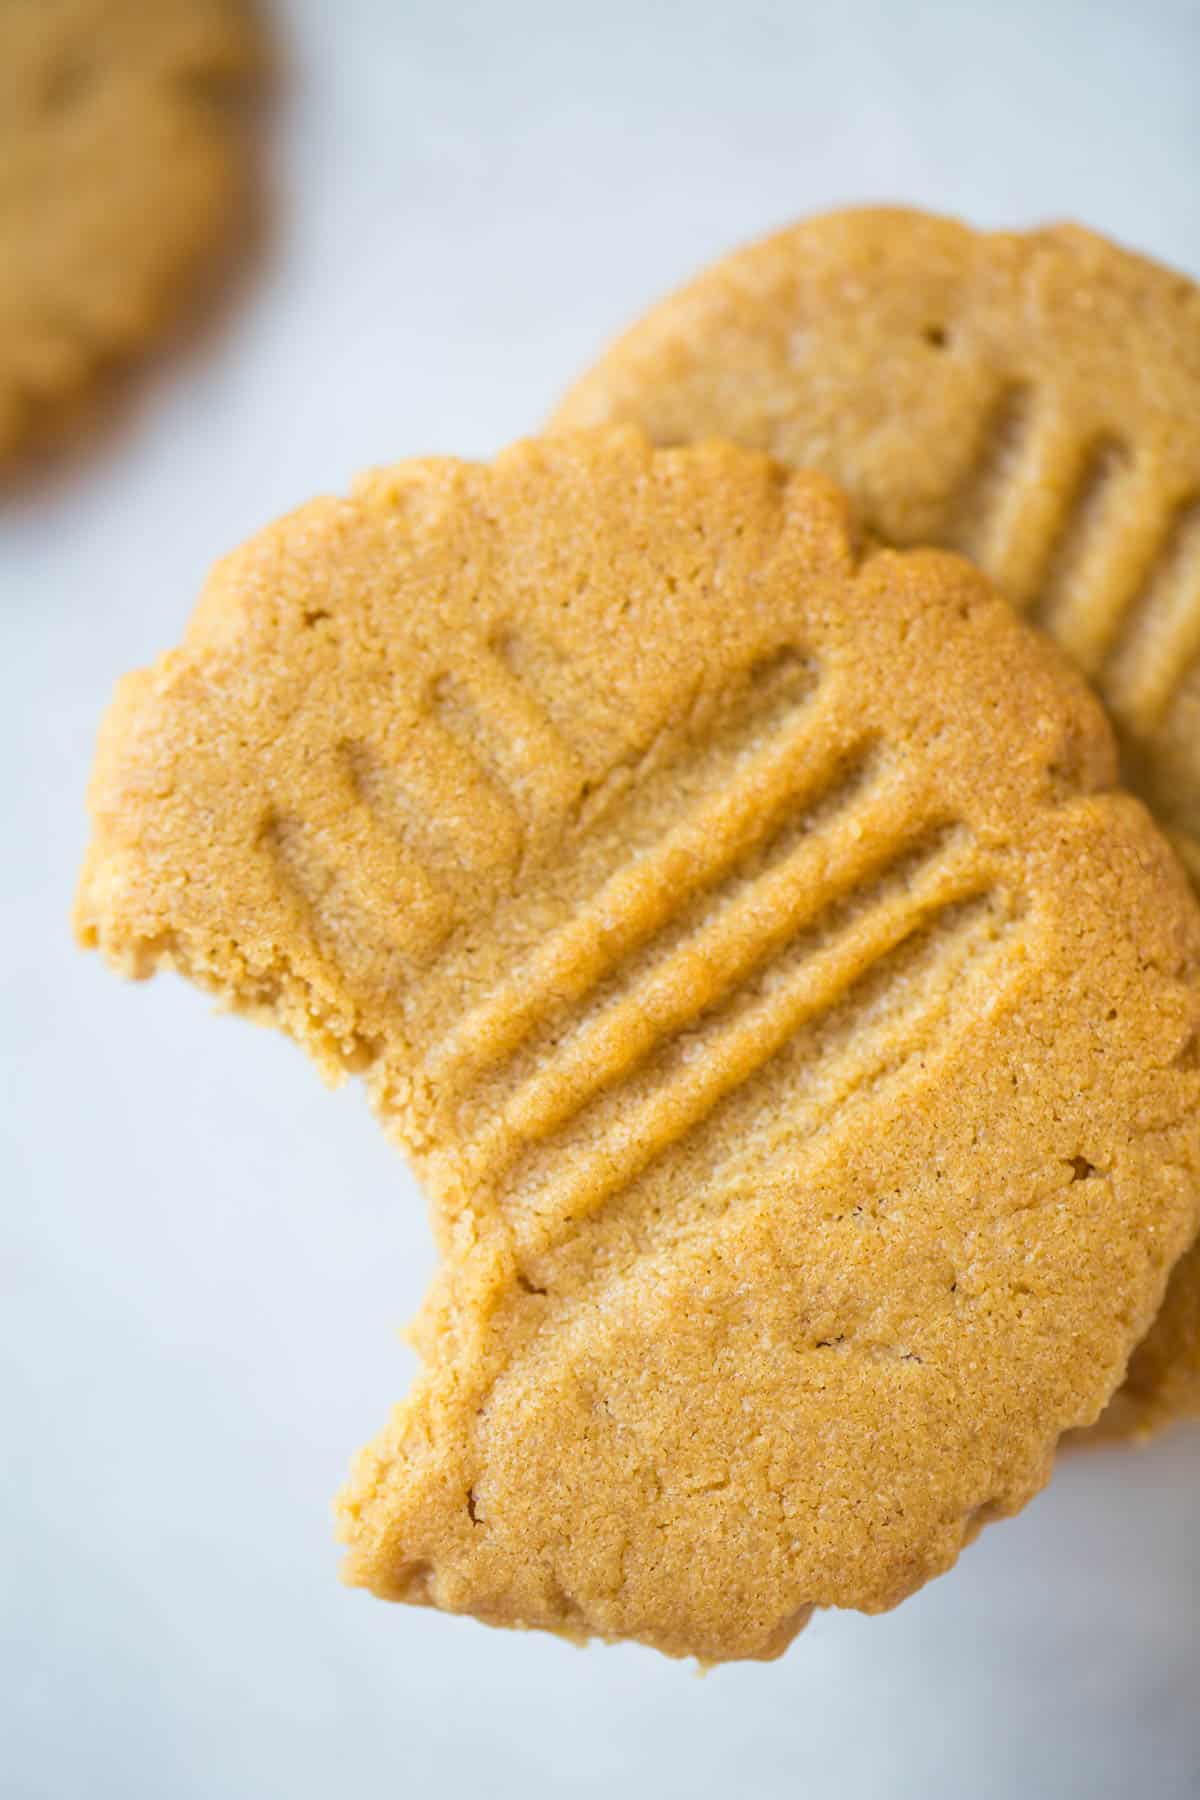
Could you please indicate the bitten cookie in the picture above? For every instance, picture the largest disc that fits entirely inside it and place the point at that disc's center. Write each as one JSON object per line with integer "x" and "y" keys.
{"x": 794, "y": 1030}
{"x": 1031, "y": 399}
{"x": 122, "y": 163}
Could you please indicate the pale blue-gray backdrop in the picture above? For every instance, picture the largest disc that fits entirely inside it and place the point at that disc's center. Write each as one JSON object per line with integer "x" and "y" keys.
{"x": 206, "y": 1255}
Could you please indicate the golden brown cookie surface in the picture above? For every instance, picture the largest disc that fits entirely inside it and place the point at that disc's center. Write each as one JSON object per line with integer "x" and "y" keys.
{"x": 1031, "y": 399}
{"x": 794, "y": 1032}
{"x": 121, "y": 168}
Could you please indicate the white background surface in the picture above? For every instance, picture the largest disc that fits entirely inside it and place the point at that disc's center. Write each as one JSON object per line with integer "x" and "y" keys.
{"x": 206, "y": 1254}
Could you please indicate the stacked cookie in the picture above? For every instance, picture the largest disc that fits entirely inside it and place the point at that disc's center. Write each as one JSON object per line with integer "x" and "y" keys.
{"x": 737, "y": 919}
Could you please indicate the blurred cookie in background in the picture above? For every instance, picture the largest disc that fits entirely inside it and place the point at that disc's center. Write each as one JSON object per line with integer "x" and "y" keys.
{"x": 125, "y": 163}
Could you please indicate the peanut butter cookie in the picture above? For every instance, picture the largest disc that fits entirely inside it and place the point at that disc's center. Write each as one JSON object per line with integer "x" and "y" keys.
{"x": 793, "y": 1028}
{"x": 1031, "y": 399}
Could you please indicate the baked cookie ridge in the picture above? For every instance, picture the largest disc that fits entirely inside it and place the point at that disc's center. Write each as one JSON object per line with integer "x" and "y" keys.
{"x": 1029, "y": 398}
